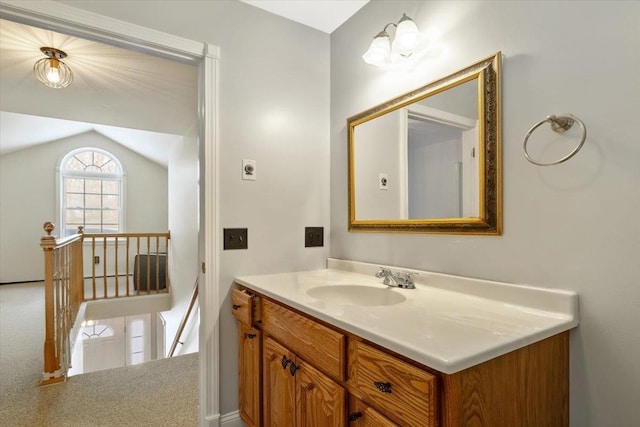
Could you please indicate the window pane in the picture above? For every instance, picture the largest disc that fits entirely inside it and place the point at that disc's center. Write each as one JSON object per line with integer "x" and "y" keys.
{"x": 110, "y": 167}
{"x": 75, "y": 216}
{"x": 110, "y": 187}
{"x": 110, "y": 228}
{"x": 110, "y": 202}
{"x": 110, "y": 217}
{"x": 75, "y": 200}
{"x": 92, "y": 201}
{"x": 137, "y": 358}
{"x": 93, "y": 168}
{"x": 99, "y": 159}
{"x": 92, "y": 216}
{"x": 74, "y": 165}
{"x": 75, "y": 185}
{"x": 86, "y": 157}
{"x": 93, "y": 186}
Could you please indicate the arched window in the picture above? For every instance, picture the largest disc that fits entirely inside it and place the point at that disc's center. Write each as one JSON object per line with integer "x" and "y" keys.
{"x": 92, "y": 182}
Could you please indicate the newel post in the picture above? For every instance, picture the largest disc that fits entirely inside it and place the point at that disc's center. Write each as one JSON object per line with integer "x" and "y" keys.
{"x": 51, "y": 361}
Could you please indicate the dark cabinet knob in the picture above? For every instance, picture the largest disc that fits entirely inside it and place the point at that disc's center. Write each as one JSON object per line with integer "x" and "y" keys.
{"x": 293, "y": 368}
{"x": 251, "y": 336}
{"x": 285, "y": 362}
{"x": 383, "y": 387}
{"x": 235, "y": 306}
{"x": 354, "y": 416}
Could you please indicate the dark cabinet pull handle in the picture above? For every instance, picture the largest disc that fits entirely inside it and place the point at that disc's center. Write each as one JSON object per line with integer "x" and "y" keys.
{"x": 251, "y": 336}
{"x": 293, "y": 368}
{"x": 235, "y": 306}
{"x": 383, "y": 387}
{"x": 354, "y": 416}
{"x": 285, "y": 362}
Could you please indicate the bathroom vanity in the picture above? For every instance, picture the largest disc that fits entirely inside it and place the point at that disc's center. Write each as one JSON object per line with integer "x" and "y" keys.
{"x": 335, "y": 347}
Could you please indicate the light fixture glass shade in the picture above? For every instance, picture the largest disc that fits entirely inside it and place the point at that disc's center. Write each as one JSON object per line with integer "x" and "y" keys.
{"x": 51, "y": 71}
{"x": 406, "y": 38}
{"x": 380, "y": 50}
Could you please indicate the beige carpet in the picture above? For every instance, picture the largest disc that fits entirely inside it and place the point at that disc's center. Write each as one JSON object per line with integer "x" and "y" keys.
{"x": 158, "y": 393}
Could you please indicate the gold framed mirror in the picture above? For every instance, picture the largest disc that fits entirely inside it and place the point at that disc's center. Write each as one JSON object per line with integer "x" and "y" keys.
{"x": 429, "y": 161}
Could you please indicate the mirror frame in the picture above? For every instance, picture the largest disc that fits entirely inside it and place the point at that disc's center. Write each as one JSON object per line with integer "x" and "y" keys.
{"x": 489, "y": 222}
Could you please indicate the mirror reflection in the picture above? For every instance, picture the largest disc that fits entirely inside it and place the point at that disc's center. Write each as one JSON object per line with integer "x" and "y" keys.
{"x": 429, "y": 160}
{"x": 432, "y": 170}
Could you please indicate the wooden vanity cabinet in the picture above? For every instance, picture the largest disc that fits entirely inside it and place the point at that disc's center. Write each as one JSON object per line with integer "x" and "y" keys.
{"x": 313, "y": 374}
{"x": 297, "y": 394}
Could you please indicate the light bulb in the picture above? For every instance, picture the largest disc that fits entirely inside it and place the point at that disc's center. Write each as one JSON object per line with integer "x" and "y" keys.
{"x": 53, "y": 75}
{"x": 406, "y": 38}
{"x": 379, "y": 51}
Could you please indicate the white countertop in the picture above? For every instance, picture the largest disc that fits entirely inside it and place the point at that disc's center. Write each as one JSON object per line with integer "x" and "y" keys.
{"x": 448, "y": 323}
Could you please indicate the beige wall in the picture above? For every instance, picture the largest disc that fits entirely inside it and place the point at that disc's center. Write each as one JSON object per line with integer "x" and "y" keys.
{"x": 572, "y": 226}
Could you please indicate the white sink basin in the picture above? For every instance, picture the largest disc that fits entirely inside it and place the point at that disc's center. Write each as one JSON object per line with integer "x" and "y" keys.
{"x": 356, "y": 295}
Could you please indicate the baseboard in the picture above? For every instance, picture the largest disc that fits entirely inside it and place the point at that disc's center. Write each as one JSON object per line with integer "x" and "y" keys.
{"x": 21, "y": 282}
{"x": 231, "y": 419}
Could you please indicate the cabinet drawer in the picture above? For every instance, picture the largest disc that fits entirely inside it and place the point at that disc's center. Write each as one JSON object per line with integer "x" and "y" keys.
{"x": 323, "y": 347}
{"x": 404, "y": 392}
{"x": 361, "y": 415}
{"x": 242, "y": 306}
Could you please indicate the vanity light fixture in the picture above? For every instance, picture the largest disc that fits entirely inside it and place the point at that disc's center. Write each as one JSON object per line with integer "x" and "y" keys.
{"x": 383, "y": 52}
{"x": 51, "y": 71}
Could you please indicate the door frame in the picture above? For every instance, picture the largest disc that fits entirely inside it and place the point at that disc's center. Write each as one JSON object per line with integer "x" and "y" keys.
{"x": 92, "y": 26}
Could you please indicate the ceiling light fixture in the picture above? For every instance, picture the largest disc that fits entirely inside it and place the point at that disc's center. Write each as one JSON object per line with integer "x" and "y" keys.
{"x": 383, "y": 52}
{"x": 51, "y": 71}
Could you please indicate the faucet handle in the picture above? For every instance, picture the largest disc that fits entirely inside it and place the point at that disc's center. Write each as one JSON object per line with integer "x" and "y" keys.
{"x": 382, "y": 272}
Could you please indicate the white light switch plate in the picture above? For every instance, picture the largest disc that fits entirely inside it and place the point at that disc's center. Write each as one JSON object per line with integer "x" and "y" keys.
{"x": 249, "y": 169}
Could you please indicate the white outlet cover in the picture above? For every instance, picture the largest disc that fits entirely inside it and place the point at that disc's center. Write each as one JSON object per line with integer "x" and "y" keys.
{"x": 383, "y": 181}
{"x": 249, "y": 169}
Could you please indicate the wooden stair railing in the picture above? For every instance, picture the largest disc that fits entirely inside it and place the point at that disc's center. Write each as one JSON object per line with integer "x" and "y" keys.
{"x": 63, "y": 287}
{"x": 142, "y": 257}
{"x": 64, "y": 282}
{"x": 185, "y": 319}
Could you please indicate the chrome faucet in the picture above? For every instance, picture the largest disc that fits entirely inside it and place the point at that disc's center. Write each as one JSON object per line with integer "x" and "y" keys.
{"x": 402, "y": 280}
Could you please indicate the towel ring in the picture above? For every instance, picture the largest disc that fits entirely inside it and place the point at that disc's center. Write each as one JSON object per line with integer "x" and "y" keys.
{"x": 560, "y": 124}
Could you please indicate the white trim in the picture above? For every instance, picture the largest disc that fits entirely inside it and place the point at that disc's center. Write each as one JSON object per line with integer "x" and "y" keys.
{"x": 422, "y": 112}
{"x": 209, "y": 299}
{"x": 232, "y": 419}
{"x": 80, "y": 23}
{"x": 56, "y": 16}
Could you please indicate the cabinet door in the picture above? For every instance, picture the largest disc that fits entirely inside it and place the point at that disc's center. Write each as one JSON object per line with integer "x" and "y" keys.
{"x": 249, "y": 359}
{"x": 320, "y": 400}
{"x": 279, "y": 385}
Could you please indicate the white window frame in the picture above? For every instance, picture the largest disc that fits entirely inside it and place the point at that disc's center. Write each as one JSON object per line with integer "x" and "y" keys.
{"x": 62, "y": 191}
